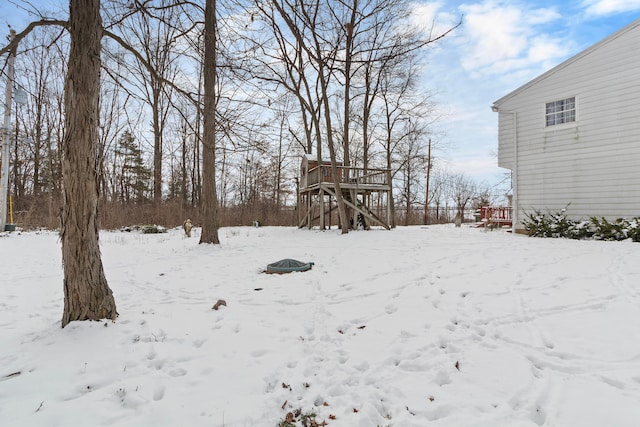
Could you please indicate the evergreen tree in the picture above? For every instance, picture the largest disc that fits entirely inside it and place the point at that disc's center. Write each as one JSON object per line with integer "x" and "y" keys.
{"x": 135, "y": 177}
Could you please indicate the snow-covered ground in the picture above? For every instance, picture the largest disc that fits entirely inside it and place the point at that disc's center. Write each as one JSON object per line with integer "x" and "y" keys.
{"x": 413, "y": 327}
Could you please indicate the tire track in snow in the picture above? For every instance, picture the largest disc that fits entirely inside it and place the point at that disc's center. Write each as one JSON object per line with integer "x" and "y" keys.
{"x": 618, "y": 280}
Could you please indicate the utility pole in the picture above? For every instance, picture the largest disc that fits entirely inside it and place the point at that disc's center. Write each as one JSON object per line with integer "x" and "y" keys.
{"x": 426, "y": 197}
{"x": 4, "y": 181}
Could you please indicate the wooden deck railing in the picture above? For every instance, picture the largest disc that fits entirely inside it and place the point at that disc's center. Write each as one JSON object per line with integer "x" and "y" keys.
{"x": 501, "y": 215}
{"x": 348, "y": 175}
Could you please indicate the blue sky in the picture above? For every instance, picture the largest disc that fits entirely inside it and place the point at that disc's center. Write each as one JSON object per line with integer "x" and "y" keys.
{"x": 501, "y": 45}
{"x": 18, "y": 13}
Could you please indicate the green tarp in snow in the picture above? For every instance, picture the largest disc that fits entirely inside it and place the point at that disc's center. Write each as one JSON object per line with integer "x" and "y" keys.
{"x": 288, "y": 265}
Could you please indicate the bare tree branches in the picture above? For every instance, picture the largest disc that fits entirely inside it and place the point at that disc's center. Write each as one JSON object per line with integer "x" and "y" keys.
{"x": 22, "y": 34}
{"x": 328, "y": 76}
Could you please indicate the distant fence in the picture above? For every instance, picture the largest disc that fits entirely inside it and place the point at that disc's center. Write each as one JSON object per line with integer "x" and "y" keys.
{"x": 437, "y": 215}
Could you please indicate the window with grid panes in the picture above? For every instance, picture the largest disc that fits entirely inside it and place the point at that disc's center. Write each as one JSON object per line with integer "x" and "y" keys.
{"x": 559, "y": 112}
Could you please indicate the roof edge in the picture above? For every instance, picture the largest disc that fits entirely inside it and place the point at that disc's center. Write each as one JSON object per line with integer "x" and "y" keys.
{"x": 565, "y": 63}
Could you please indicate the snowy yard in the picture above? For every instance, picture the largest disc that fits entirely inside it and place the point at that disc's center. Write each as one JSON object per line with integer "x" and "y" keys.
{"x": 413, "y": 327}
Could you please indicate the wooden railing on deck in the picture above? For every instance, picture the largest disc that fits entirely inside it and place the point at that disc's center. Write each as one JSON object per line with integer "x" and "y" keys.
{"x": 499, "y": 215}
{"x": 348, "y": 175}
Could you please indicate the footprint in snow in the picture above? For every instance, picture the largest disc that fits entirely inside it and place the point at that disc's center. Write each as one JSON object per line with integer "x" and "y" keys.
{"x": 158, "y": 394}
{"x": 179, "y": 372}
{"x": 442, "y": 378}
{"x": 258, "y": 353}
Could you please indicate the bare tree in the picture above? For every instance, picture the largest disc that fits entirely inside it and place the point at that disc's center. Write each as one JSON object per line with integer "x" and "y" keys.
{"x": 411, "y": 160}
{"x": 209, "y": 197}
{"x": 115, "y": 104}
{"x": 35, "y": 160}
{"x": 283, "y": 64}
{"x": 155, "y": 38}
{"x": 404, "y": 114}
{"x": 337, "y": 58}
{"x": 39, "y": 65}
{"x": 185, "y": 132}
{"x": 484, "y": 196}
{"x": 283, "y": 148}
{"x": 378, "y": 38}
{"x": 463, "y": 190}
{"x": 87, "y": 295}
{"x": 309, "y": 33}
{"x": 439, "y": 181}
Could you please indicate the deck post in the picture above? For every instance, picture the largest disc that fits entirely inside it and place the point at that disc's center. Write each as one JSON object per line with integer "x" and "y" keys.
{"x": 321, "y": 197}
{"x": 298, "y": 207}
{"x": 309, "y": 210}
{"x": 389, "y": 207}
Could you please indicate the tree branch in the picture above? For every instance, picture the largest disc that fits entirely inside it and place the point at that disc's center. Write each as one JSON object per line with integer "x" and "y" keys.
{"x": 149, "y": 67}
{"x": 19, "y": 36}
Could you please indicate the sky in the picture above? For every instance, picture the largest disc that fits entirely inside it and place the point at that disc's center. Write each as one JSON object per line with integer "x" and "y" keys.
{"x": 500, "y": 45}
{"x": 420, "y": 326}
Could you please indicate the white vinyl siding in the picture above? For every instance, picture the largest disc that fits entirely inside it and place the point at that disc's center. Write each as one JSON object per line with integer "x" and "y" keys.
{"x": 506, "y": 139}
{"x": 593, "y": 163}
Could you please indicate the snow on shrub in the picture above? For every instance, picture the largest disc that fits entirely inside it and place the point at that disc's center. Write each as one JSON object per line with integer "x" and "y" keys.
{"x": 556, "y": 224}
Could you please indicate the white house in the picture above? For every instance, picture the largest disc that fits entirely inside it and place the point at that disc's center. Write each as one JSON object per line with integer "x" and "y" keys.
{"x": 572, "y": 135}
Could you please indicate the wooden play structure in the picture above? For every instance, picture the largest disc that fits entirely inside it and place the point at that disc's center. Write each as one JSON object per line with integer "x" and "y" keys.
{"x": 366, "y": 193}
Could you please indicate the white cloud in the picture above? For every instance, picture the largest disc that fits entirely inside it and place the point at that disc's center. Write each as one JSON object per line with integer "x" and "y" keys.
{"x": 500, "y": 45}
{"x": 544, "y": 47}
{"x": 482, "y": 166}
{"x": 608, "y": 7}
{"x": 431, "y": 17}
{"x": 502, "y": 37}
{"x": 425, "y": 13}
{"x": 495, "y": 34}
{"x": 496, "y": 37}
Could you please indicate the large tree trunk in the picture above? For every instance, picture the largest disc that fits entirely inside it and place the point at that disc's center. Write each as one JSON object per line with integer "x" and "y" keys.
{"x": 209, "y": 197}
{"x": 342, "y": 209}
{"x": 87, "y": 295}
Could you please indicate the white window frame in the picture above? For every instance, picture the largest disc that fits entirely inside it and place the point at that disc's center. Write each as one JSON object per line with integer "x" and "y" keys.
{"x": 560, "y": 112}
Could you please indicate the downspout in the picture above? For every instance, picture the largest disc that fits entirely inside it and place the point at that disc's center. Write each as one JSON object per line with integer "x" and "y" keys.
{"x": 514, "y": 209}
{"x": 514, "y": 176}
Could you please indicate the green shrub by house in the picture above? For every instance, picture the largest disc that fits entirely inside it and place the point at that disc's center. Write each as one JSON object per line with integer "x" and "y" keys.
{"x": 556, "y": 224}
